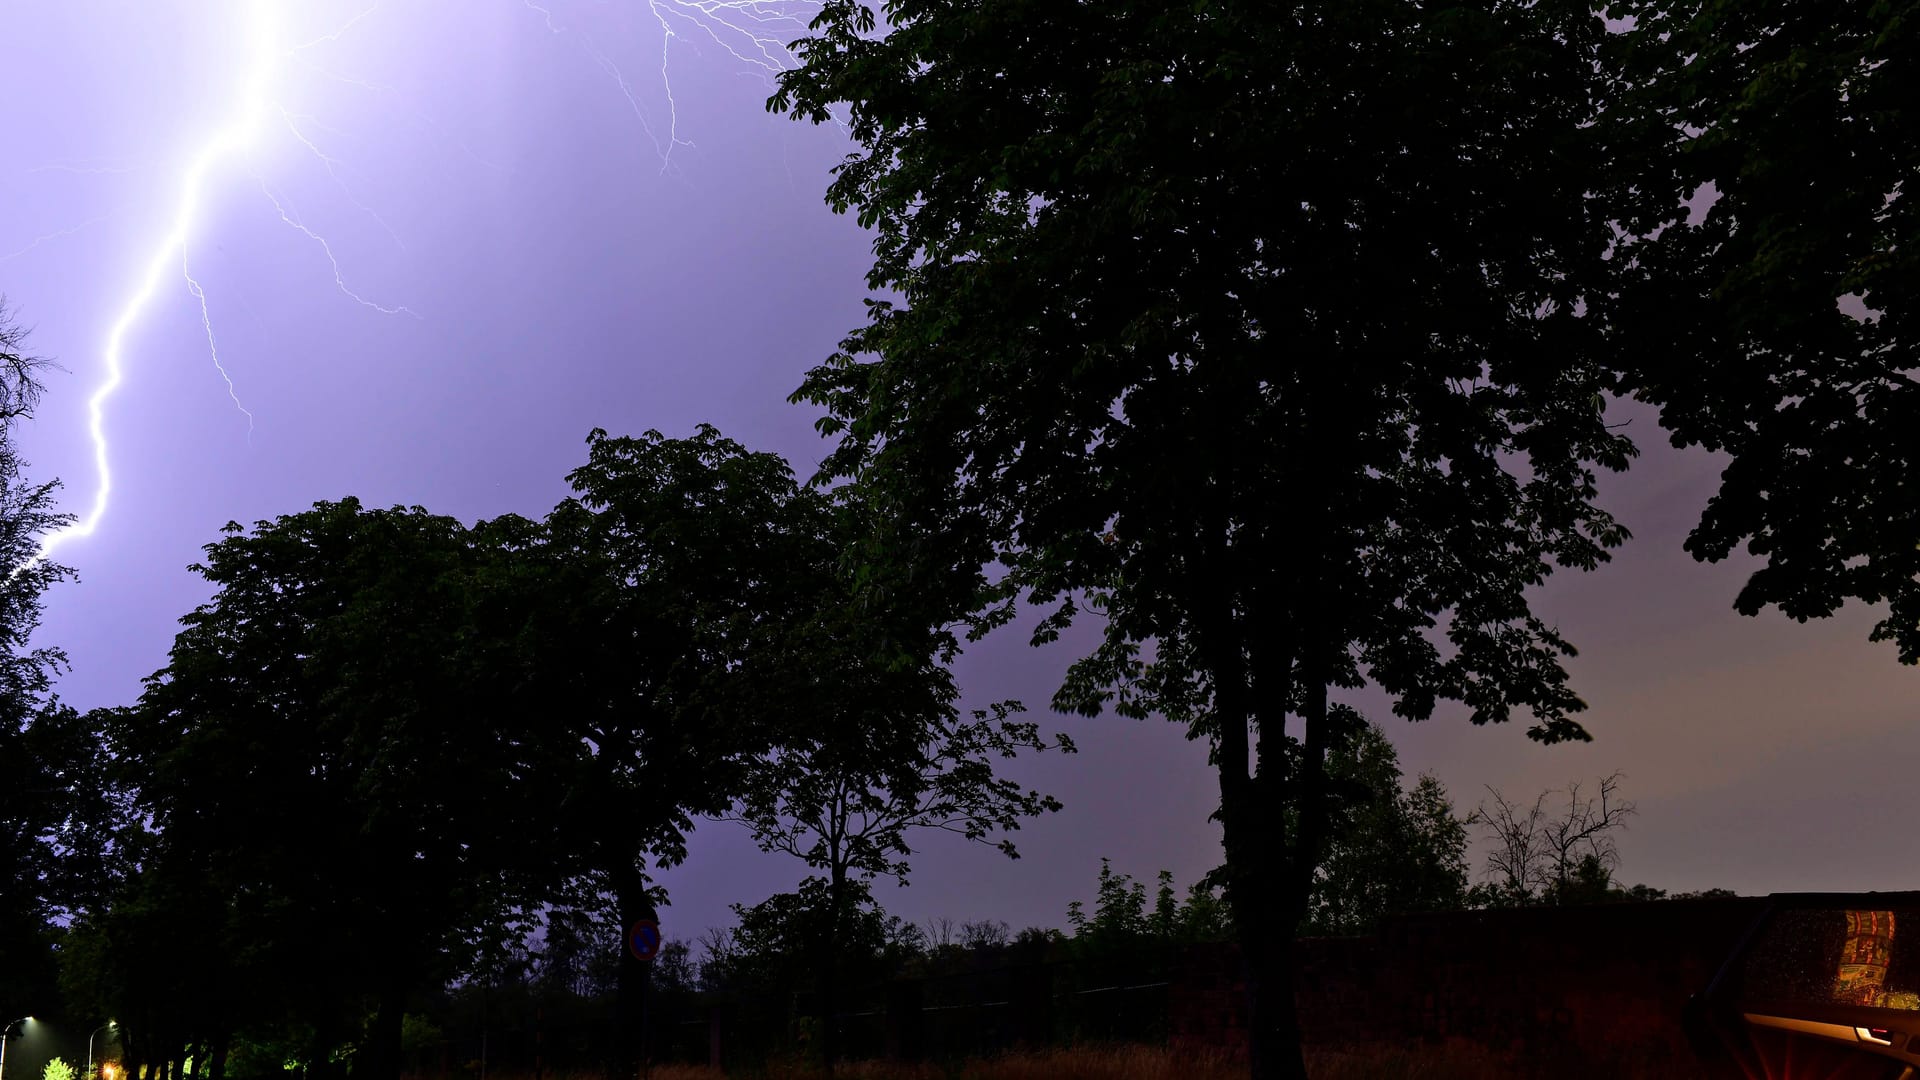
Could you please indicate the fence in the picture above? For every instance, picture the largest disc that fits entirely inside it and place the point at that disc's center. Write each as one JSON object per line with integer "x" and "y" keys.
{"x": 1602, "y": 981}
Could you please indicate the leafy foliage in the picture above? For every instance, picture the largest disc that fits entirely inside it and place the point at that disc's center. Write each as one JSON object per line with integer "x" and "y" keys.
{"x": 1262, "y": 333}
{"x": 45, "y": 833}
{"x": 341, "y": 758}
{"x": 692, "y": 568}
{"x": 779, "y": 944}
{"x": 1121, "y": 918}
{"x": 1391, "y": 849}
{"x": 1766, "y": 298}
{"x": 686, "y": 561}
{"x": 846, "y": 797}
{"x": 872, "y": 749}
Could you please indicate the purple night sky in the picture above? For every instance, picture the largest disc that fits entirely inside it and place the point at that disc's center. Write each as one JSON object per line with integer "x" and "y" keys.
{"x": 574, "y": 245}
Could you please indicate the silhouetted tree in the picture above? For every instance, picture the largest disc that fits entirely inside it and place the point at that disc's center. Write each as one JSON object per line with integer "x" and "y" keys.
{"x": 44, "y": 750}
{"x": 777, "y": 947}
{"x": 1539, "y": 854}
{"x": 1262, "y": 332}
{"x": 578, "y": 954}
{"x": 1391, "y": 850}
{"x": 845, "y": 793}
{"x": 1767, "y": 301}
{"x": 690, "y": 567}
{"x": 1121, "y": 920}
{"x": 985, "y": 934}
{"x": 342, "y": 767}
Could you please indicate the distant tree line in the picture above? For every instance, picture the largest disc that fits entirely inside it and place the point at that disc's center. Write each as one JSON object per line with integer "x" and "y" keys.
{"x": 1278, "y": 344}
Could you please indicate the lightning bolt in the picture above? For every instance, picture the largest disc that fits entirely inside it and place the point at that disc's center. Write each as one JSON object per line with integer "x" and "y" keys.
{"x": 754, "y": 33}
{"x": 240, "y": 134}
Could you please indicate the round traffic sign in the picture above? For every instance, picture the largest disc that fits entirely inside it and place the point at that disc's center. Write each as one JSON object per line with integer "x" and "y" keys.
{"x": 644, "y": 939}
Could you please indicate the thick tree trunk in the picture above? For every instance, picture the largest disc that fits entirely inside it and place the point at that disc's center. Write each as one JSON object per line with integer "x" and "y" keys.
{"x": 1253, "y": 826}
{"x": 1264, "y": 919}
{"x": 1269, "y": 871}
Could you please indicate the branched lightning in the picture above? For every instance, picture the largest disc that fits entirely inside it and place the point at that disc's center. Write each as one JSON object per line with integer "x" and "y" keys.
{"x": 767, "y": 50}
{"x": 292, "y": 221}
{"x": 339, "y": 31}
{"x": 213, "y": 347}
{"x": 80, "y": 170}
{"x": 626, "y": 91}
{"x": 48, "y": 237}
{"x": 753, "y": 32}
{"x": 331, "y": 164}
{"x": 544, "y": 14}
{"x": 240, "y": 134}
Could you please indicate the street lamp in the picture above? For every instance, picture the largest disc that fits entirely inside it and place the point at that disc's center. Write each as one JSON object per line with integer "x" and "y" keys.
{"x": 96, "y": 1031}
{"x": 5, "y": 1032}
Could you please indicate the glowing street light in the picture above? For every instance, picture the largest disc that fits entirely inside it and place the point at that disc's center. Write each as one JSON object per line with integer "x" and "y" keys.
{"x": 5, "y": 1033}
{"x": 96, "y": 1031}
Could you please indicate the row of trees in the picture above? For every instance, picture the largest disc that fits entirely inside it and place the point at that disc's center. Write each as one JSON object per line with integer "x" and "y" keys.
{"x": 411, "y": 746}
{"x": 1278, "y": 340}
{"x": 392, "y": 746}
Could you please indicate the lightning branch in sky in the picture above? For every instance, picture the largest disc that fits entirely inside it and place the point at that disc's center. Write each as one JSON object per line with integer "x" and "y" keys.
{"x": 754, "y": 34}
{"x": 169, "y": 255}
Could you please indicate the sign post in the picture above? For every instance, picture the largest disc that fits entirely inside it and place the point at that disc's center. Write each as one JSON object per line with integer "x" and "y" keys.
{"x": 643, "y": 937}
{"x": 643, "y": 940}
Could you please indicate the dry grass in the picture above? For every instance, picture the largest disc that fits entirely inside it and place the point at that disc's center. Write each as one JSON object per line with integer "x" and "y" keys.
{"x": 1449, "y": 1062}
{"x": 1379, "y": 1063}
{"x": 1080, "y": 1063}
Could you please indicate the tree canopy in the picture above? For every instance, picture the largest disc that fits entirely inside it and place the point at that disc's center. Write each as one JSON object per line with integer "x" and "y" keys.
{"x": 1763, "y": 182}
{"x": 1262, "y": 333}
{"x": 342, "y": 755}
{"x": 45, "y": 831}
{"x": 1266, "y": 352}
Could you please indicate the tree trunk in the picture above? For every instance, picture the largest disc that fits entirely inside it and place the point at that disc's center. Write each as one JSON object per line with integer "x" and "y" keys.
{"x": 631, "y": 1046}
{"x": 382, "y": 1052}
{"x": 320, "y": 1063}
{"x": 830, "y": 970}
{"x": 1264, "y": 918}
{"x": 1253, "y": 827}
{"x": 1289, "y": 895}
